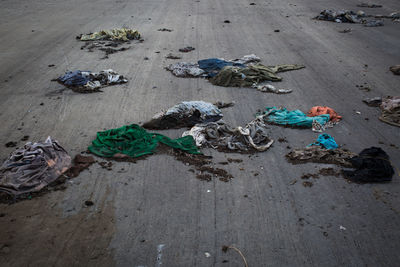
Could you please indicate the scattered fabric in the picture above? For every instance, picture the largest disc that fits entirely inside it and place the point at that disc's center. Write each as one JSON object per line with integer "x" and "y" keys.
{"x": 340, "y": 16}
{"x": 268, "y": 88}
{"x": 320, "y": 110}
{"x": 90, "y": 82}
{"x": 123, "y": 34}
{"x": 317, "y": 154}
{"x": 185, "y": 69}
{"x": 133, "y": 141}
{"x": 371, "y": 165}
{"x": 213, "y": 65}
{"x": 374, "y": 23}
{"x": 395, "y": 69}
{"x": 33, "y": 167}
{"x": 253, "y": 74}
{"x": 390, "y": 108}
{"x": 220, "y": 104}
{"x": 282, "y": 116}
{"x": 373, "y": 102}
{"x": 221, "y": 136}
{"x": 185, "y": 114}
{"x": 186, "y": 49}
{"x": 246, "y": 59}
{"x": 325, "y": 141}
{"x": 369, "y": 5}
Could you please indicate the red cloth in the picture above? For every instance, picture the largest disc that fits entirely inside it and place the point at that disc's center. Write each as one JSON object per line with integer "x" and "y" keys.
{"x": 319, "y": 110}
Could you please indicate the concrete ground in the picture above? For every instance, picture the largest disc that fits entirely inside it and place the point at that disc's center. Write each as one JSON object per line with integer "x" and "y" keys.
{"x": 155, "y": 212}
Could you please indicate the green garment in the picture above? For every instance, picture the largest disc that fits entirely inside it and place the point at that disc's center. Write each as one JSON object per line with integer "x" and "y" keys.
{"x": 134, "y": 141}
{"x": 123, "y": 34}
{"x": 252, "y": 74}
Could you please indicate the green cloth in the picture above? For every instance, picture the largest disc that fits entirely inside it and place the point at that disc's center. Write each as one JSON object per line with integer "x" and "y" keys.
{"x": 134, "y": 141}
{"x": 252, "y": 74}
{"x": 123, "y": 34}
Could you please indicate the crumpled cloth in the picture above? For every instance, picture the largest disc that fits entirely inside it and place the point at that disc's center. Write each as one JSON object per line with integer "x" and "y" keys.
{"x": 318, "y": 154}
{"x": 340, "y": 16}
{"x": 185, "y": 69}
{"x": 282, "y": 116}
{"x": 213, "y": 65}
{"x": 33, "y": 167}
{"x": 246, "y": 59}
{"x": 90, "y": 82}
{"x": 325, "y": 141}
{"x": 123, "y": 34}
{"x": 371, "y": 165}
{"x": 134, "y": 141}
{"x": 184, "y": 114}
{"x": 221, "y": 136}
{"x": 320, "y": 110}
{"x": 252, "y": 74}
{"x": 390, "y": 108}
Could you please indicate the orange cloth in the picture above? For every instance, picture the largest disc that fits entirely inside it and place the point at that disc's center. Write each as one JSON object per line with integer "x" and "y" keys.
{"x": 319, "y": 110}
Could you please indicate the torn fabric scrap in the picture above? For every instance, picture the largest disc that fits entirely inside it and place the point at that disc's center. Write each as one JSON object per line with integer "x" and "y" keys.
{"x": 282, "y": 116}
{"x": 325, "y": 141}
{"x": 318, "y": 154}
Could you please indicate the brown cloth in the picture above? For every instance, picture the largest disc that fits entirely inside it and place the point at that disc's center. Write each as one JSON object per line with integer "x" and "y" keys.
{"x": 390, "y": 108}
{"x": 33, "y": 167}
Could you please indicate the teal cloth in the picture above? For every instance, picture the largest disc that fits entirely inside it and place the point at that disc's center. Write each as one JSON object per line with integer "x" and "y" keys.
{"x": 326, "y": 141}
{"x": 282, "y": 116}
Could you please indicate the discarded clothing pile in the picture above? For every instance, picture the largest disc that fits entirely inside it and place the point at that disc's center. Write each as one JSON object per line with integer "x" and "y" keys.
{"x": 33, "y": 167}
{"x": 221, "y": 136}
{"x": 123, "y": 34}
{"x": 236, "y": 73}
{"x": 318, "y": 118}
{"x": 184, "y": 114}
{"x": 90, "y": 82}
{"x": 346, "y": 16}
{"x": 390, "y": 108}
{"x": 133, "y": 141}
{"x": 108, "y": 40}
{"x": 317, "y": 154}
{"x": 208, "y": 67}
{"x": 325, "y": 141}
{"x": 371, "y": 165}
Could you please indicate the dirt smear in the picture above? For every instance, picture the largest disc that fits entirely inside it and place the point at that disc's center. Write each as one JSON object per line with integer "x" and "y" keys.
{"x": 36, "y": 233}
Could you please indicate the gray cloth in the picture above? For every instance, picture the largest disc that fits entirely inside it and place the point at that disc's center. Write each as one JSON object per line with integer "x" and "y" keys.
{"x": 185, "y": 69}
{"x": 221, "y": 136}
{"x": 318, "y": 154}
{"x": 184, "y": 114}
{"x": 33, "y": 167}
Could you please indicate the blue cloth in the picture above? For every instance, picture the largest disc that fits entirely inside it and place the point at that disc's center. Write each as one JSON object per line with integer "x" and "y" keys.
{"x": 326, "y": 141}
{"x": 283, "y": 116}
{"x": 74, "y": 78}
{"x": 213, "y": 65}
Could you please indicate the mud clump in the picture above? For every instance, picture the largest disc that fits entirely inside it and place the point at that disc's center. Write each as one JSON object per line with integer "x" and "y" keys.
{"x": 230, "y": 160}
{"x": 80, "y": 163}
{"x": 307, "y": 184}
{"x": 330, "y": 172}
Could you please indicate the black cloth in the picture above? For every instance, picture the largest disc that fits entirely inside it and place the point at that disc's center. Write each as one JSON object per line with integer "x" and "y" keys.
{"x": 371, "y": 165}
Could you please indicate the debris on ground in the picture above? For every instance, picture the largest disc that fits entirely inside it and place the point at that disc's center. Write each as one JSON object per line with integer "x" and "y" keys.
{"x": 225, "y": 250}
{"x": 330, "y": 172}
{"x": 371, "y": 165}
{"x": 345, "y": 30}
{"x": 212, "y": 66}
{"x": 132, "y": 141}
{"x": 369, "y": 5}
{"x": 220, "y": 104}
{"x": 172, "y": 56}
{"x": 227, "y": 21}
{"x": 395, "y": 69}
{"x": 318, "y": 154}
{"x": 186, "y": 49}
{"x": 325, "y": 141}
{"x": 89, "y": 203}
{"x": 268, "y": 88}
{"x": 348, "y": 16}
{"x": 109, "y": 40}
{"x": 164, "y": 30}
{"x": 320, "y": 110}
{"x": 33, "y": 167}
{"x": 309, "y": 175}
{"x": 185, "y": 69}
{"x": 307, "y": 184}
{"x": 390, "y": 108}
{"x": 184, "y": 114}
{"x": 90, "y": 82}
{"x": 11, "y": 144}
{"x": 374, "y": 23}
{"x": 79, "y": 164}
{"x": 373, "y": 102}
{"x": 221, "y": 136}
